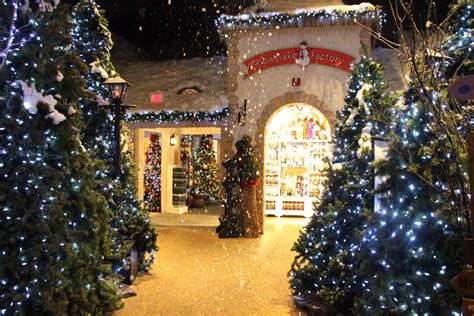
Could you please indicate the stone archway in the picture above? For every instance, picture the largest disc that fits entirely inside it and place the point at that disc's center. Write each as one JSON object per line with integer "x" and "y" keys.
{"x": 274, "y": 105}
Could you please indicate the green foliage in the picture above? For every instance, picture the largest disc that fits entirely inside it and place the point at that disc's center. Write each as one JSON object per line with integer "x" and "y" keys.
{"x": 54, "y": 224}
{"x": 248, "y": 170}
{"x": 206, "y": 170}
{"x": 92, "y": 42}
{"x": 458, "y": 44}
{"x": 415, "y": 248}
{"x": 459, "y": 61}
{"x": 400, "y": 259}
{"x": 326, "y": 265}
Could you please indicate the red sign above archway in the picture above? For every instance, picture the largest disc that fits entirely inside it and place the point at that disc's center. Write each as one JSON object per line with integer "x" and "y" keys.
{"x": 302, "y": 56}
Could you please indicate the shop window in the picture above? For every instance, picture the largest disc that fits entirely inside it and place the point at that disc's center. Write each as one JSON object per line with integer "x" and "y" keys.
{"x": 296, "y": 142}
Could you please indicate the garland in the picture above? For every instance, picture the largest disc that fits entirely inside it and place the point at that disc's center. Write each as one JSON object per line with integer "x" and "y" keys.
{"x": 367, "y": 15}
{"x": 179, "y": 116}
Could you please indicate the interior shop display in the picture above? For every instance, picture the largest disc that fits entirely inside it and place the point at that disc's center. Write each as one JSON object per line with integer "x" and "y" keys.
{"x": 297, "y": 142}
{"x": 179, "y": 187}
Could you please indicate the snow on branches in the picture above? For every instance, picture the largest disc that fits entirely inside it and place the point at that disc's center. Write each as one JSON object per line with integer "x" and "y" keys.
{"x": 101, "y": 101}
{"x": 360, "y": 96}
{"x": 96, "y": 68}
{"x": 365, "y": 141}
{"x": 363, "y": 108}
{"x": 59, "y": 76}
{"x": 47, "y": 6}
{"x": 351, "y": 118}
{"x": 31, "y": 98}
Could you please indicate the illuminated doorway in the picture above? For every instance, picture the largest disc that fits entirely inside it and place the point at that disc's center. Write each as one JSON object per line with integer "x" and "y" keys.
{"x": 297, "y": 139}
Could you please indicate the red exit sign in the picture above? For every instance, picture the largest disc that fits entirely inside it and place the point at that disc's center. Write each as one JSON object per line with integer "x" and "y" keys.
{"x": 156, "y": 98}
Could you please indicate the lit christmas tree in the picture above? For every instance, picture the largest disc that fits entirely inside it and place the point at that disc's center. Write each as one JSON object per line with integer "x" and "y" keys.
{"x": 54, "y": 224}
{"x": 325, "y": 268}
{"x": 415, "y": 247}
{"x": 206, "y": 170}
{"x": 458, "y": 44}
{"x": 457, "y": 47}
{"x": 153, "y": 175}
{"x": 92, "y": 42}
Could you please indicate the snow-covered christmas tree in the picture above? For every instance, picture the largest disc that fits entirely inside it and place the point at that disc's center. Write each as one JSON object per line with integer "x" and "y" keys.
{"x": 206, "y": 170}
{"x": 92, "y": 42}
{"x": 325, "y": 268}
{"x": 152, "y": 179}
{"x": 54, "y": 224}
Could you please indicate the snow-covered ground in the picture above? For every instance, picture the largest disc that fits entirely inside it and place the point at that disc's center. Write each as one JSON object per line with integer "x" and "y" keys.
{"x": 207, "y": 76}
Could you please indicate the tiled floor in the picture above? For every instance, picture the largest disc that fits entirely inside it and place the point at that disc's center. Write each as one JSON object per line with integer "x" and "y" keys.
{"x": 196, "y": 273}
{"x": 195, "y": 217}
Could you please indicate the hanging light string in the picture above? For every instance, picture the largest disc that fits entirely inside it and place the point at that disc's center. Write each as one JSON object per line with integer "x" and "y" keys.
{"x": 349, "y": 15}
{"x": 14, "y": 39}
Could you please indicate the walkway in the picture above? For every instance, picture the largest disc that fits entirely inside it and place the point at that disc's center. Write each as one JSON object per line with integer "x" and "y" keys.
{"x": 196, "y": 273}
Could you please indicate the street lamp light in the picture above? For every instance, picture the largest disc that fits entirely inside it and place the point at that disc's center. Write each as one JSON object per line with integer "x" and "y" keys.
{"x": 117, "y": 88}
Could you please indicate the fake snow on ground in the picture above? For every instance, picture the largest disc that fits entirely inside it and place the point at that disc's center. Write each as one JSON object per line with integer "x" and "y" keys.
{"x": 195, "y": 84}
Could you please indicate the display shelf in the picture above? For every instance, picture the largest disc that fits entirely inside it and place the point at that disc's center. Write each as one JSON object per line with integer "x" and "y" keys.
{"x": 176, "y": 188}
{"x": 296, "y": 143}
{"x": 294, "y": 181}
{"x": 179, "y": 187}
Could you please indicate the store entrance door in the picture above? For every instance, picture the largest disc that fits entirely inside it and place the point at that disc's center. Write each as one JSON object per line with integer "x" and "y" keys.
{"x": 297, "y": 139}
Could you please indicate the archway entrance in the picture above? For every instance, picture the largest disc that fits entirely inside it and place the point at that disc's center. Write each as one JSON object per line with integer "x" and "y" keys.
{"x": 297, "y": 139}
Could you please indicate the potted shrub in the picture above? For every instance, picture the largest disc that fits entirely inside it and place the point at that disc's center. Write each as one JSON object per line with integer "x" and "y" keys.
{"x": 248, "y": 171}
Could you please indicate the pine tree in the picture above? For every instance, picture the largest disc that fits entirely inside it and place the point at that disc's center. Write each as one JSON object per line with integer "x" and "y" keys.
{"x": 92, "y": 42}
{"x": 325, "y": 267}
{"x": 153, "y": 175}
{"x": 458, "y": 44}
{"x": 415, "y": 247}
{"x": 459, "y": 60}
{"x": 206, "y": 170}
{"x": 54, "y": 225}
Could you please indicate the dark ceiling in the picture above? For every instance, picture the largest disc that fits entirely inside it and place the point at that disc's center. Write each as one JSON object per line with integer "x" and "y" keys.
{"x": 172, "y": 29}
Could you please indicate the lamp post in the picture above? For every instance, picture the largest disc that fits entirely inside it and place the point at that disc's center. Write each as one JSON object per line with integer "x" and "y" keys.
{"x": 117, "y": 88}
